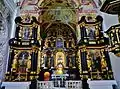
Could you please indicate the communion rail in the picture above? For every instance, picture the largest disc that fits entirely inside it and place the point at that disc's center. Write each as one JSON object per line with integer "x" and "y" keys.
{"x": 50, "y": 85}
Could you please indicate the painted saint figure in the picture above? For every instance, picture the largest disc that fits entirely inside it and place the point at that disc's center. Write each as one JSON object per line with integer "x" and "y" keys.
{"x": 26, "y": 33}
{"x": 23, "y": 62}
{"x": 59, "y": 43}
{"x": 91, "y": 34}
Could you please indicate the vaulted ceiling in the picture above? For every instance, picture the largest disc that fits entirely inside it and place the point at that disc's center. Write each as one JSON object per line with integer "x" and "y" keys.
{"x": 60, "y": 11}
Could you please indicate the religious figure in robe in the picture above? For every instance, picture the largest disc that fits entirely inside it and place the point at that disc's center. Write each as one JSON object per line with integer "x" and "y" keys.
{"x": 59, "y": 43}
{"x": 97, "y": 61}
{"x": 89, "y": 63}
{"x": 50, "y": 62}
{"x": 26, "y": 33}
{"x": 22, "y": 62}
{"x": 103, "y": 64}
{"x": 91, "y": 34}
{"x": 22, "y": 65}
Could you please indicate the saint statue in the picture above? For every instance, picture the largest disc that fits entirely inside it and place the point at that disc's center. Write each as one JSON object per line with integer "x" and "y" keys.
{"x": 91, "y": 34}
{"x": 23, "y": 62}
{"x": 59, "y": 43}
{"x": 97, "y": 60}
{"x": 26, "y": 33}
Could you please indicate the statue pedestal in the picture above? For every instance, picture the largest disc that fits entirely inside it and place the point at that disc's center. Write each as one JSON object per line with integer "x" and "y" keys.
{"x": 16, "y": 85}
{"x": 101, "y": 84}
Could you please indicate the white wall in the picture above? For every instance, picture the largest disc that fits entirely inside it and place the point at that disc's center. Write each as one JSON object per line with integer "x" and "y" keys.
{"x": 108, "y": 21}
{"x": 115, "y": 61}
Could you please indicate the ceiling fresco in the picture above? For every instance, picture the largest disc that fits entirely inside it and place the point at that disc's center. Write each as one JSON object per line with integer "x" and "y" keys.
{"x": 83, "y": 6}
{"x": 62, "y": 11}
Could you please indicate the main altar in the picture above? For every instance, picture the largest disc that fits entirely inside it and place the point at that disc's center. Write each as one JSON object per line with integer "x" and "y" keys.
{"x": 57, "y": 48}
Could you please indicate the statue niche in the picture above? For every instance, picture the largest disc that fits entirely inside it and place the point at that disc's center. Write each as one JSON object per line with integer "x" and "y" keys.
{"x": 91, "y": 34}
{"x": 94, "y": 61}
{"x": 60, "y": 58}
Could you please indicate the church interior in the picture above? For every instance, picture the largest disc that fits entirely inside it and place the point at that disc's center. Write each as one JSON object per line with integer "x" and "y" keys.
{"x": 59, "y": 44}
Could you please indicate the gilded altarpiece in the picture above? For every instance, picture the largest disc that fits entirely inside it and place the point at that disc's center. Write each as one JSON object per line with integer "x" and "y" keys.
{"x": 94, "y": 61}
{"x": 58, "y": 49}
{"x": 24, "y": 50}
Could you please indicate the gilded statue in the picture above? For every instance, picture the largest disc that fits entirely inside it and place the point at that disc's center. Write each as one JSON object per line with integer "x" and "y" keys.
{"x": 28, "y": 63}
{"x": 89, "y": 63}
{"x": 96, "y": 32}
{"x": 103, "y": 63}
{"x": 14, "y": 65}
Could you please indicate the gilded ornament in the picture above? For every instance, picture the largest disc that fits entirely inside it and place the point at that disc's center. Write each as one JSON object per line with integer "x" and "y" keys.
{"x": 28, "y": 63}
{"x": 14, "y": 64}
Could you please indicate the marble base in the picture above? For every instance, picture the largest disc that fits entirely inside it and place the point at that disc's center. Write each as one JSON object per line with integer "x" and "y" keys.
{"x": 101, "y": 84}
{"x": 16, "y": 85}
